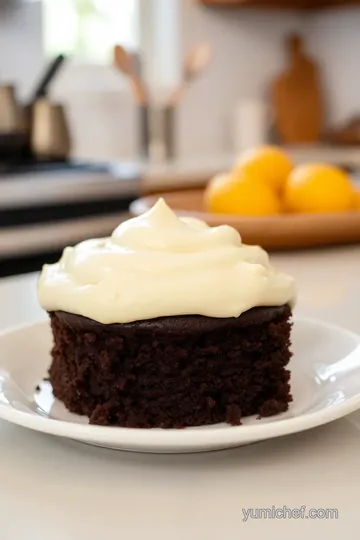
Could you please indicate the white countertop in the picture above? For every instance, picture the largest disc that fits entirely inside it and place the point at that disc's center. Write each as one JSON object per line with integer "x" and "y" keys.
{"x": 62, "y": 490}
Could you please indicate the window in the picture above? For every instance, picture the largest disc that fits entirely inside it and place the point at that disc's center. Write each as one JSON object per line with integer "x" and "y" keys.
{"x": 88, "y": 29}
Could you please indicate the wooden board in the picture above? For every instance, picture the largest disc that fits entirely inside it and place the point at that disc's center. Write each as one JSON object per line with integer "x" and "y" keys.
{"x": 296, "y": 97}
{"x": 288, "y": 231}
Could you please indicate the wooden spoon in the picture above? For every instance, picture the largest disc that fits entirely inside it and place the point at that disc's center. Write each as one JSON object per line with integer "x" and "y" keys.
{"x": 195, "y": 63}
{"x": 124, "y": 63}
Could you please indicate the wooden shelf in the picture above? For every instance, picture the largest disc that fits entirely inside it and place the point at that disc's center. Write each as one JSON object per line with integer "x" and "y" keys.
{"x": 281, "y": 4}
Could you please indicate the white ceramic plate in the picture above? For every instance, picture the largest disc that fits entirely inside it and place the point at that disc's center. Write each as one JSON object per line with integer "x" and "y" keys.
{"x": 325, "y": 382}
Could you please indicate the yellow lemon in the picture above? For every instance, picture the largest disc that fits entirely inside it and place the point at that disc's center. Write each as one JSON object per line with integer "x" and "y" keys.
{"x": 241, "y": 195}
{"x": 267, "y": 163}
{"x": 318, "y": 188}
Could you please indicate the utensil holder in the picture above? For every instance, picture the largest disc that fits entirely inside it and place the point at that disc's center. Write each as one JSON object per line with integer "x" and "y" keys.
{"x": 144, "y": 131}
{"x": 157, "y": 132}
{"x": 169, "y": 125}
{"x": 162, "y": 141}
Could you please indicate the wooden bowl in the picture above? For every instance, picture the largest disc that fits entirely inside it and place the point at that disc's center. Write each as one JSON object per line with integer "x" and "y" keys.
{"x": 288, "y": 231}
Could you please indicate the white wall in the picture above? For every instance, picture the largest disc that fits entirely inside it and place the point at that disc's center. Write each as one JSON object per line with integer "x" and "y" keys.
{"x": 21, "y": 54}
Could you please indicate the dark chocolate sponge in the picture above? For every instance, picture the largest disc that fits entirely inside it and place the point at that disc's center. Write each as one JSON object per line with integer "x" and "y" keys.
{"x": 173, "y": 371}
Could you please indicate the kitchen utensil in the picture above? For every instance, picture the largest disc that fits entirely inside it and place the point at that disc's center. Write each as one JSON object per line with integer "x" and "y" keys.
{"x": 288, "y": 231}
{"x": 125, "y": 64}
{"x": 50, "y": 137}
{"x": 297, "y": 99}
{"x": 48, "y": 77}
{"x": 194, "y": 64}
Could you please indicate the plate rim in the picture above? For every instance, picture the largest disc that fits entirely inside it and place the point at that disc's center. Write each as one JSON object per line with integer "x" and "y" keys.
{"x": 189, "y": 438}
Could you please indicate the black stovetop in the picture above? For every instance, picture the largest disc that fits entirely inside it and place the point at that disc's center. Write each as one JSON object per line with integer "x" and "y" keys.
{"x": 30, "y": 167}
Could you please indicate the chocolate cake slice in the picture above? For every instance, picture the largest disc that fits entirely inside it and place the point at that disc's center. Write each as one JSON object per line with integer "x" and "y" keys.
{"x": 173, "y": 372}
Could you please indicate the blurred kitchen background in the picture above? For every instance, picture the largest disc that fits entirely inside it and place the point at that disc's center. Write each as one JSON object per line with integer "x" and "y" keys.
{"x": 85, "y": 128}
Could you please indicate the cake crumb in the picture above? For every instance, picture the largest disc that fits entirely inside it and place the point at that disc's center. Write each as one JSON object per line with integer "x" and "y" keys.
{"x": 233, "y": 414}
{"x": 272, "y": 407}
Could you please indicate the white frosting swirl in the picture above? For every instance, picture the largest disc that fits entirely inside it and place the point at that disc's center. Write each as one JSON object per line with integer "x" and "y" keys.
{"x": 161, "y": 265}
